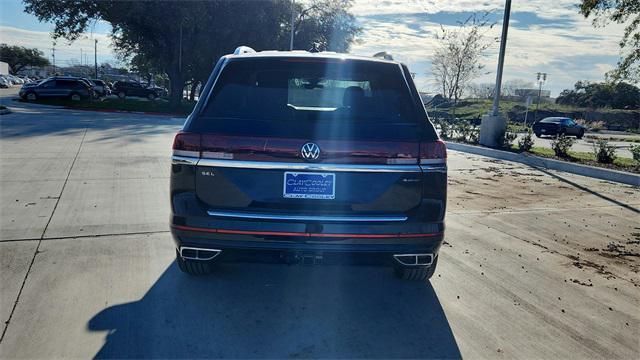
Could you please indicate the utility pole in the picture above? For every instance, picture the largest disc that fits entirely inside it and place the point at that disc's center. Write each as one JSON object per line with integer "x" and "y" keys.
{"x": 541, "y": 78}
{"x": 493, "y": 126}
{"x": 293, "y": 3}
{"x": 95, "y": 58}
{"x": 503, "y": 46}
{"x": 53, "y": 55}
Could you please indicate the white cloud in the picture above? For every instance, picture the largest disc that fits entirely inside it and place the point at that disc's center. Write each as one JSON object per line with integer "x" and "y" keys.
{"x": 558, "y": 40}
{"x": 66, "y": 52}
{"x": 567, "y": 47}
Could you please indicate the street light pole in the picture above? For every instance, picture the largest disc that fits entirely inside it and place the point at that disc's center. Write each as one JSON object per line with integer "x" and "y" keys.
{"x": 95, "y": 58}
{"x": 541, "y": 77}
{"x": 503, "y": 47}
{"x": 493, "y": 126}
{"x": 293, "y": 3}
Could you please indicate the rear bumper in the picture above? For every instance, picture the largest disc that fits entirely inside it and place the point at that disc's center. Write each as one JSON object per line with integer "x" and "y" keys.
{"x": 367, "y": 243}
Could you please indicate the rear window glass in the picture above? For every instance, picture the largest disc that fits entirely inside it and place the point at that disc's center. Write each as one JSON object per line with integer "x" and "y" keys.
{"x": 302, "y": 90}
{"x": 552, "y": 120}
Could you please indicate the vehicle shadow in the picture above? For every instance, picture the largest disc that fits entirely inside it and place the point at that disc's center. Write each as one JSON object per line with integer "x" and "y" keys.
{"x": 279, "y": 311}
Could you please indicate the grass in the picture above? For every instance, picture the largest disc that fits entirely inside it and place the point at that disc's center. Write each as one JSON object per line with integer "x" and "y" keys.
{"x": 516, "y": 128}
{"x": 614, "y": 138}
{"x": 587, "y": 158}
{"x": 156, "y": 106}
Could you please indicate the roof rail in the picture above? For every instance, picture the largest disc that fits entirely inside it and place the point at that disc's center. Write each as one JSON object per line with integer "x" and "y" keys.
{"x": 384, "y": 55}
{"x": 243, "y": 50}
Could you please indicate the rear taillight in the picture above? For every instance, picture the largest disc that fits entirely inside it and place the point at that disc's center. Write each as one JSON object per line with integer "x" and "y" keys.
{"x": 433, "y": 153}
{"x": 186, "y": 144}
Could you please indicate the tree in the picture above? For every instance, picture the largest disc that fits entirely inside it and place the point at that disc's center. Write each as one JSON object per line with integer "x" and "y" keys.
{"x": 481, "y": 90}
{"x": 619, "y": 95}
{"x": 184, "y": 39}
{"x": 625, "y": 12}
{"x": 325, "y": 25}
{"x": 456, "y": 61}
{"x": 19, "y": 57}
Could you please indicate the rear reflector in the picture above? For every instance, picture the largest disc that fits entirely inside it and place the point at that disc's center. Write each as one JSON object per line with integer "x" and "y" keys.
{"x": 433, "y": 153}
{"x": 186, "y": 144}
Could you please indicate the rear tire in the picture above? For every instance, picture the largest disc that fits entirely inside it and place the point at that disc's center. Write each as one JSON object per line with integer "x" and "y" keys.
{"x": 415, "y": 272}
{"x": 151, "y": 97}
{"x": 580, "y": 135}
{"x": 194, "y": 267}
{"x": 122, "y": 95}
{"x": 31, "y": 96}
{"x": 75, "y": 97}
{"x": 538, "y": 135}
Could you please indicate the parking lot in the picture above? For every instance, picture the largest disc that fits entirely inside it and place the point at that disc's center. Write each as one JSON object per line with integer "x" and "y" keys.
{"x": 537, "y": 264}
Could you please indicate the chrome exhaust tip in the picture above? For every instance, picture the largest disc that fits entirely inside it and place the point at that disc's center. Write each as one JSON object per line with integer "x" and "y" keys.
{"x": 414, "y": 259}
{"x": 193, "y": 253}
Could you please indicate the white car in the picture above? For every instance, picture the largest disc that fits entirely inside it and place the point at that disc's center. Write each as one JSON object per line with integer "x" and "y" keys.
{"x": 16, "y": 80}
{"x": 4, "y": 82}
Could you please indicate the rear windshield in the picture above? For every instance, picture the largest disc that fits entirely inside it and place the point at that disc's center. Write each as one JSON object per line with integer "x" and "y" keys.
{"x": 552, "y": 120}
{"x": 299, "y": 90}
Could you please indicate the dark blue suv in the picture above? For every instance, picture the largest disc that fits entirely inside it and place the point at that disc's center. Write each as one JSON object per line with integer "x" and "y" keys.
{"x": 309, "y": 158}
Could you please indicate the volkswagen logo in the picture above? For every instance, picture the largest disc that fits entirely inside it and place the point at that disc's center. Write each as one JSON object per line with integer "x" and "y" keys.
{"x": 310, "y": 151}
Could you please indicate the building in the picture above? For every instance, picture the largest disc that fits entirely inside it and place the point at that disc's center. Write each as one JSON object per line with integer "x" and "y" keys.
{"x": 37, "y": 71}
{"x": 524, "y": 93}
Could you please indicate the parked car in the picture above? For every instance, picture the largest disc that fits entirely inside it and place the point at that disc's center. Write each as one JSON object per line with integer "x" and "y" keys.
{"x": 554, "y": 126}
{"x": 101, "y": 87}
{"x": 130, "y": 88}
{"x": 14, "y": 79}
{"x": 159, "y": 90}
{"x": 312, "y": 158}
{"x": 4, "y": 82}
{"x": 57, "y": 87}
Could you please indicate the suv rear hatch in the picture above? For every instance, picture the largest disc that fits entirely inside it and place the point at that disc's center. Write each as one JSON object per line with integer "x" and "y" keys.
{"x": 303, "y": 137}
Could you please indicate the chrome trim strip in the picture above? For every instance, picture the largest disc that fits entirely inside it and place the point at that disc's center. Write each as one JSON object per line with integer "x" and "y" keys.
{"x": 432, "y": 161}
{"x": 434, "y": 168}
{"x": 186, "y": 153}
{"x": 262, "y": 216}
{"x": 184, "y": 160}
{"x": 308, "y": 166}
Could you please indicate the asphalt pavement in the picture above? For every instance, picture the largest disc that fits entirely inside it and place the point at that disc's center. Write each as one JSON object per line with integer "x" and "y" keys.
{"x": 537, "y": 264}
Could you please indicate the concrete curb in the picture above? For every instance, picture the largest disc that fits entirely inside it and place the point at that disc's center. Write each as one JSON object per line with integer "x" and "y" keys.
{"x": 540, "y": 162}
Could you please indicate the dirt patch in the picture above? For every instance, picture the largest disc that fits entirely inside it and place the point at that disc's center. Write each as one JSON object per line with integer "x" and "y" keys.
{"x": 582, "y": 264}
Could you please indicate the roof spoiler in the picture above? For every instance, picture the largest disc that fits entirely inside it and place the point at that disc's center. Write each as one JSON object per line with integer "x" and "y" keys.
{"x": 383, "y": 55}
{"x": 243, "y": 50}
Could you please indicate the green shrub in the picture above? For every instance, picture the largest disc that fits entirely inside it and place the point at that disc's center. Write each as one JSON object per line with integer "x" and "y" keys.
{"x": 506, "y": 140}
{"x": 635, "y": 151}
{"x": 467, "y": 132}
{"x": 446, "y": 130}
{"x": 526, "y": 142}
{"x": 604, "y": 152}
{"x": 561, "y": 145}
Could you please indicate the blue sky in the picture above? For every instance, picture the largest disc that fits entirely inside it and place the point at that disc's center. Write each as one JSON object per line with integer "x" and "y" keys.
{"x": 547, "y": 36}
